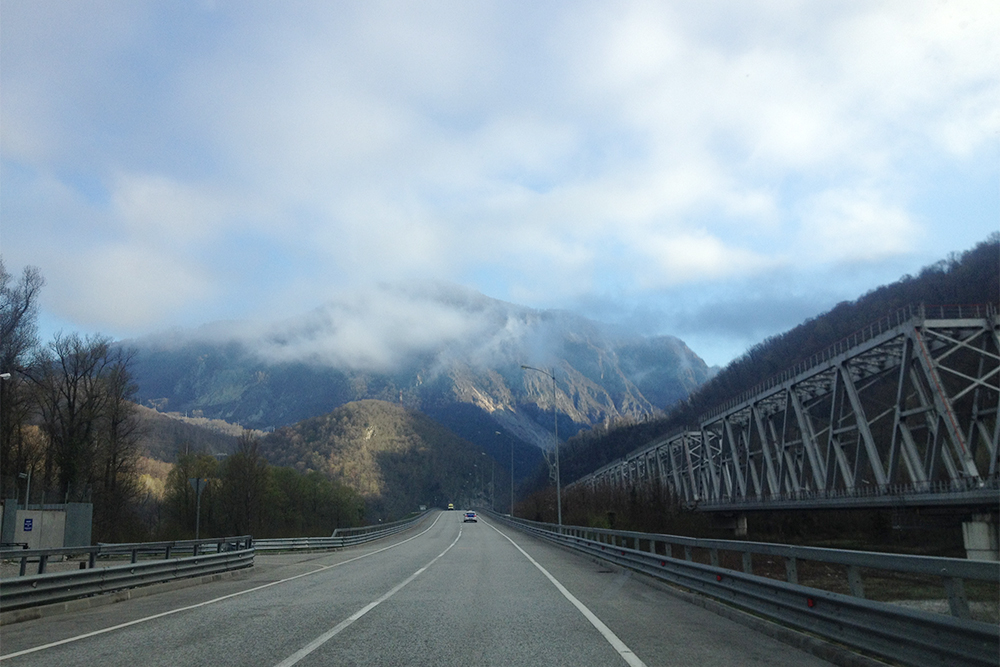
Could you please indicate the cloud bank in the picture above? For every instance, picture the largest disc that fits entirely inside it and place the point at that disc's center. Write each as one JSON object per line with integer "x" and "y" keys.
{"x": 642, "y": 161}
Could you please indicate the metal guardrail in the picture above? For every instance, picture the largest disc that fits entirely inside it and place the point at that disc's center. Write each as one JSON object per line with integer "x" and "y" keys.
{"x": 909, "y": 636}
{"x": 208, "y": 557}
{"x": 41, "y": 589}
{"x": 134, "y": 550}
{"x": 342, "y": 537}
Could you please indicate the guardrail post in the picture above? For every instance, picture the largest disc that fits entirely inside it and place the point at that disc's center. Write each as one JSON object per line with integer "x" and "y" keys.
{"x": 713, "y": 557}
{"x": 135, "y": 555}
{"x": 854, "y": 581}
{"x": 43, "y": 560}
{"x": 24, "y": 565}
{"x": 92, "y": 559}
{"x": 687, "y": 552}
{"x": 792, "y": 570}
{"x": 748, "y": 562}
{"x": 668, "y": 550}
{"x": 957, "y": 602}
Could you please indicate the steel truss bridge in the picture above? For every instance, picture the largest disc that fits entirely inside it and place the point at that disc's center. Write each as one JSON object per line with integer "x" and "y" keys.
{"x": 903, "y": 413}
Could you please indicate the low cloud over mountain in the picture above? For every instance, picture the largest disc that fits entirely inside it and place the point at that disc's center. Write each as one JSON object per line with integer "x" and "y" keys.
{"x": 452, "y": 353}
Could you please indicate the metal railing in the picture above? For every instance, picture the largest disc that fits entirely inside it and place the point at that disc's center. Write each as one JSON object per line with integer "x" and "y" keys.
{"x": 141, "y": 564}
{"x": 342, "y": 537}
{"x": 904, "y": 634}
{"x": 154, "y": 550}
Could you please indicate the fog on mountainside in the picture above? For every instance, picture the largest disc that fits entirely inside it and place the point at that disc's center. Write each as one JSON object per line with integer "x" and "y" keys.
{"x": 453, "y": 354}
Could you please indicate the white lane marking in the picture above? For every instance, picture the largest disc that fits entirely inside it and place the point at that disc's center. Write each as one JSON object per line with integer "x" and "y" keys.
{"x": 624, "y": 651}
{"x": 343, "y": 625}
{"x": 69, "y": 640}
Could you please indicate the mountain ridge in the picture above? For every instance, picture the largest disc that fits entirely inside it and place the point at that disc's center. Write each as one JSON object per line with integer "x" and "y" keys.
{"x": 468, "y": 352}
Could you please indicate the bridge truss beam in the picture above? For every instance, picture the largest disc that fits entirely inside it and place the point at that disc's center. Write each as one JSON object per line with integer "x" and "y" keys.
{"x": 903, "y": 413}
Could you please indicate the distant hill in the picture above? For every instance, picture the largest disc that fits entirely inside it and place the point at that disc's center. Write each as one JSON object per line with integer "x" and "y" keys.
{"x": 397, "y": 459}
{"x": 164, "y": 436}
{"x": 452, "y": 354}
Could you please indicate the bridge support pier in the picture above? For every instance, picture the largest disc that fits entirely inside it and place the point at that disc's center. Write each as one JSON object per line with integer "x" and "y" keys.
{"x": 981, "y": 538}
{"x": 734, "y": 522}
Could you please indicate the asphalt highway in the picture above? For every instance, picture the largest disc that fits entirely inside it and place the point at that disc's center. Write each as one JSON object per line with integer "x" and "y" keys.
{"x": 444, "y": 593}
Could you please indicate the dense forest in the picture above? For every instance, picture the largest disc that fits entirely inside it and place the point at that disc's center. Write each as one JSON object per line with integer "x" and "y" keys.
{"x": 972, "y": 277}
{"x": 396, "y": 459}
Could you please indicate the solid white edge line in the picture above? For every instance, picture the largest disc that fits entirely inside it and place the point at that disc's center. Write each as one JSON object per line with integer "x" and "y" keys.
{"x": 624, "y": 651}
{"x": 102, "y": 631}
{"x": 343, "y": 625}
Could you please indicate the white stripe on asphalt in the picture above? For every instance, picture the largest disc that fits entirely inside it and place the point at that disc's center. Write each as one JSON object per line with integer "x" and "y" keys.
{"x": 343, "y": 625}
{"x": 624, "y": 651}
{"x": 208, "y": 602}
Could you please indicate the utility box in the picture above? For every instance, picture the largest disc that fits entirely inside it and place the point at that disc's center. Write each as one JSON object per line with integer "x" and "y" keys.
{"x": 49, "y": 526}
{"x": 40, "y": 529}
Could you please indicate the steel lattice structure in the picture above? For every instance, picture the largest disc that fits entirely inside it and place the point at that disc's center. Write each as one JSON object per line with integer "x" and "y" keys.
{"x": 902, "y": 413}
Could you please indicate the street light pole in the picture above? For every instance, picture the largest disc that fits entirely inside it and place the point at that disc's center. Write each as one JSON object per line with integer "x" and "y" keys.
{"x": 511, "y": 477}
{"x": 27, "y": 491}
{"x": 555, "y": 418}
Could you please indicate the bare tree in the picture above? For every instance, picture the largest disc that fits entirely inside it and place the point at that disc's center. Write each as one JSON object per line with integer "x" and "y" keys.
{"x": 18, "y": 339}
{"x": 69, "y": 378}
{"x": 116, "y": 478}
{"x": 244, "y": 486}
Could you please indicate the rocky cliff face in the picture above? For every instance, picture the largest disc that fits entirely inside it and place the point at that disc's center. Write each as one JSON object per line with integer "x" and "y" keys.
{"x": 464, "y": 368}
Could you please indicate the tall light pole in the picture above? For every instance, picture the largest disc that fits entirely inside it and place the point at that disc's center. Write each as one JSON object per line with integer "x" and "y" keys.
{"x": 27, "y": 491}
{"x": 511, "y": 474}
{"x": 555, "y": 417}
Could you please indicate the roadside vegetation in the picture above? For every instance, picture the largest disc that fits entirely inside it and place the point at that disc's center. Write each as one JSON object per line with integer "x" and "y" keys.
{"x": 69, "y": 424}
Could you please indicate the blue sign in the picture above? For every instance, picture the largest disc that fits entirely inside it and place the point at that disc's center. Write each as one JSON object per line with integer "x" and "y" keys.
{"x": 27, "y": 525}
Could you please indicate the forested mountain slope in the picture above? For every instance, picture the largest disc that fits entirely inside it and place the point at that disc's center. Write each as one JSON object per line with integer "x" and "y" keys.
{"x": 396, "y": 459}
{"x": 973, "y": 277}
{"x": 467, "y": 375}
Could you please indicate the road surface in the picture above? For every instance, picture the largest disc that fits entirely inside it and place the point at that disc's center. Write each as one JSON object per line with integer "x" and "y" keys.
{"x": 444, "y": 593}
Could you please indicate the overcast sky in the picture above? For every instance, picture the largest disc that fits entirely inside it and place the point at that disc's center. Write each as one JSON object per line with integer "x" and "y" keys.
{"x": 715, "y": 171}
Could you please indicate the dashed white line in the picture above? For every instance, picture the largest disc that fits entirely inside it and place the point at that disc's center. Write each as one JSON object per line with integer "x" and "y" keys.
{"x": 343, "y": 625}
{"x": 102, "y": 631}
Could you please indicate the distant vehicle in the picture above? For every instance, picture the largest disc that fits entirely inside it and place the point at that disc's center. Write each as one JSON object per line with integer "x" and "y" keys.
{"x": 451, "y": 506}
{"x": 470, "y": 516}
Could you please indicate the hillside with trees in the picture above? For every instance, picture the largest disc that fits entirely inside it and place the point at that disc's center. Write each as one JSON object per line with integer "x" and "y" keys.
{"x": 69, "y": 423}
{"x": 971, "y": 277}
{"x": 246, "y": 495}
{"x": 167, "y": 436}
{"x": 471, "y": 381}
{"x": 394, "y": 458}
